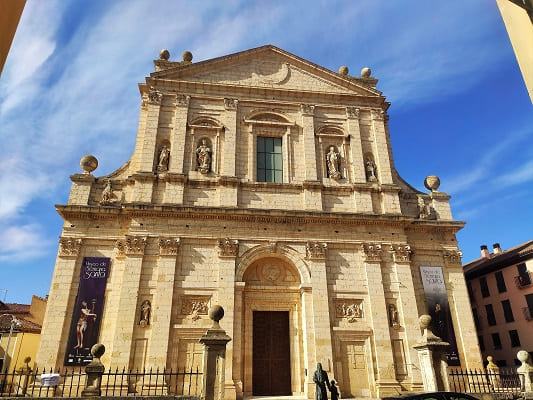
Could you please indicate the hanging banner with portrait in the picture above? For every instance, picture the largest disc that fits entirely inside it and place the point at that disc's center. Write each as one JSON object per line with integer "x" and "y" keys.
{"x": 85, "y": 325}
{"x": 439, "y": 309}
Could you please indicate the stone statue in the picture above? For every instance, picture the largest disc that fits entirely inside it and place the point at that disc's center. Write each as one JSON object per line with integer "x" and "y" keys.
{"x": 371, "y": 170}
{"x": 146, "y": 309}
{"x": 333, "y": 163}
{"x": 393, "y": 316}
{"x": 320, "y": 377}
{"x": 204, "y": 157}
{"x": 107, "y": 194}
{"x": 164, "y": 156}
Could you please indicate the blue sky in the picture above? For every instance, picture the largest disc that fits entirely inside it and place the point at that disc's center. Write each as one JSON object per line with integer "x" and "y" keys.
{"x": 460, "y": 109}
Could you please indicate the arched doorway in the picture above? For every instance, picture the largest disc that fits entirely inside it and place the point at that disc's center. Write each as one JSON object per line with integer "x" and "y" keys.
{"x": 270, "y": 323}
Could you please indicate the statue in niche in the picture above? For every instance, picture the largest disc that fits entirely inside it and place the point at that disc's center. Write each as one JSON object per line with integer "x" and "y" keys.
{"x": 394, "y": 319}
{"x": 164, "y": 156}
{"x": 107, "y": 194}
{"x": 146, "y": 310}
{"x": 333, "y": 163}
{"x": 203, "y": 156}
{"x": 371, "y": 170}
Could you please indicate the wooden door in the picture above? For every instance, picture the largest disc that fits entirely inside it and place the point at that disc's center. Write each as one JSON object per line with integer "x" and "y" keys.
{"x": 271, "y": 369}
{"x": 354, "y": 370}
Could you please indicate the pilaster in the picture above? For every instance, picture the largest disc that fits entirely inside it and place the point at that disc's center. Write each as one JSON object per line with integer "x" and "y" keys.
{"x": 401, "y": 254}
{"x": 228, "y": 250}
{"x": 308, "y": 338}
{"x": 179, "y": 133}
{"x": 162, "y": 303}
{"x": 316, "y": 256}
{"x": 382, "y": 151}
{"x": 385, "y": 378}
{"x": 230, "y": 137}
{"x": 55, "y": 330}
{"x": 132, "y": 248}
{"x": 312, "y": 187}
{"x": 356, "y": 146}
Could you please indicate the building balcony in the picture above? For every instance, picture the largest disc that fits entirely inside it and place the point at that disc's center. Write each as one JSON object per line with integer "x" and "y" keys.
{"x": 523, "y": 280}
{"x": 528, "y": 313}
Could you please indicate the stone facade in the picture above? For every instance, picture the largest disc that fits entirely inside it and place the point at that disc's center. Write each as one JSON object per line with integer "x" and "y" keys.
{"x": 188, "y": 222}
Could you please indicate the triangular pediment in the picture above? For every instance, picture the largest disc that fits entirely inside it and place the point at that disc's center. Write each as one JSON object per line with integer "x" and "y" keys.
{"x": 267, "y": 67}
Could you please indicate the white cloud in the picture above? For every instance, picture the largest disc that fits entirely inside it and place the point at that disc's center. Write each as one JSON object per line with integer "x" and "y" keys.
{"x": 23, "y": 242}
{"x": 522, "y": 174}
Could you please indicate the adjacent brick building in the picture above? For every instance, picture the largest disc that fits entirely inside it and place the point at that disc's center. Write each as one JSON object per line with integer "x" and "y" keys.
{"x": 265, "y": 183}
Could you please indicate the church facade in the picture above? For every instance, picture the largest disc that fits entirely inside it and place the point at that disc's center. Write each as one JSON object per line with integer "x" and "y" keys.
{"x": 266, "y": 184}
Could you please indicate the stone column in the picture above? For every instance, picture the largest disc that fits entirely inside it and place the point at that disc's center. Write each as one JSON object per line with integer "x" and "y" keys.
{"x": 316, "y": 254}
{"x": 162, "y": 303}
{"x": 432, "y": 354}
{"x": 385, "y": 378}
{"x": 142, "y": 191}
{"x": 308, "y": 338}
{"x": 407, "y": 303}
{"x": 312, "y": 185}
{"x": 132, "y": 247}
{"x": 215, "y": 341}
{"x": 227, "y": 252}
{"x": 56, "y": 324}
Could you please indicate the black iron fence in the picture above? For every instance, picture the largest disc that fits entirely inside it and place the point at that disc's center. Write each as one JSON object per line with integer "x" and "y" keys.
{"x": 70, "y": 382}
{"x": 503, "y": 380}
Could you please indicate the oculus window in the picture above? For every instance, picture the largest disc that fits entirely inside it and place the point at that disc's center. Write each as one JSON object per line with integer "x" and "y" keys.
{"x": 269, "y": 160}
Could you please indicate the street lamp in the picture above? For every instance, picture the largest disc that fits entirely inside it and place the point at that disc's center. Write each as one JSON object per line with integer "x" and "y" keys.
{"x": 14, "y": 323}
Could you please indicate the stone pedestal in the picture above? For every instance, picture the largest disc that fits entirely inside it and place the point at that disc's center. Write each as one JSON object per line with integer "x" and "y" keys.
{"x": 94, "y": 371}
{"x": 214, "y": 340}
{"x": 432, "y": 355}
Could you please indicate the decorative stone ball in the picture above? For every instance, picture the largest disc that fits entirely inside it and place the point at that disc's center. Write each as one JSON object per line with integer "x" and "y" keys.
{"x": 522, "y": 355}
{"x": 365, "y": 72}
{"x": 164, "y": 54}
{"x": 98, "y": 350}
{"x": 489, "y": 359}
{"x": 216, "y": 313}
{"x": 88, "y": 163}
{"x": 187, "y": 56}
{"x": 425, "y": 321}
{"x": 343, "y": 70}
{"x": 432, "y": 182}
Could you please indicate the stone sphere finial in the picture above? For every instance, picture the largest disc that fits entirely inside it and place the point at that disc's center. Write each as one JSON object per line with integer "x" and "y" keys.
{"x": 164, "y": 55}
{"x": 88, "y": 163}
{"x": 216, "y": 313}
{"x": 425, "y": 321}
{"x": 98, "y": 350}
{"x": 489, "y": 359}
{"x": 432, "y": 182}
{"x": 522, "y": 355}
{"x": 187, "y": 56}
{"x": 365, "y": 72}
{"x": 343, "y": 70}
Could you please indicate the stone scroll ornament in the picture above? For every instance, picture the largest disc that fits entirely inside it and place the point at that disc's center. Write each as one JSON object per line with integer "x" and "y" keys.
{"x": 203, "y": 157}
{"x": 333, "y": 162}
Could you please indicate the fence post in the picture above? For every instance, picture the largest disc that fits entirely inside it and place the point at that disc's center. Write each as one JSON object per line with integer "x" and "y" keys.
{"x": 525, "y": 371}
{"x": 94, "y": 371}
{"x": 214, "y": 341}
{"x": 432, "y": 354}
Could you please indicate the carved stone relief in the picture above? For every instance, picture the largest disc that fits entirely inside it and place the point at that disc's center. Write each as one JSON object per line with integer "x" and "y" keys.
{"x": 107, "y": 198}
{"x": 131, "y": 245}
{"x": 69, "y": 247}
{"x": 195, "y": 306}
{"x": 316, "y": 250}
{"x": 371, "y": 252}
{"x": 169, "y": 246}
{"x": 351, "y": 310}
{"x": 182, "y": 100}
{"x": 227, "y": 247}
{"x": 230, "y": 104}
{"x": 352, "y": 112}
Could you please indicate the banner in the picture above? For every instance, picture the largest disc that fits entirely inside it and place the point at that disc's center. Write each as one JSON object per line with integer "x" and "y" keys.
{"x": 85, "y": 325}
{"x": 438, "y": 308}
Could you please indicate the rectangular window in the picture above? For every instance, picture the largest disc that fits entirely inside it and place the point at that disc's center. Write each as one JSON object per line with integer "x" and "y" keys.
{"x": 500, "y": 282}
{"x": 523, "y": 278}
{"x": 476, "y": 318}
{"x": 507, "y": 311}
{"x": 496, "y": 342}
{"x": 481, "y": 343}
{"x": 269, "y": 160}
{"x": 491, "y": 318}
{"x": 484, "y": 287}
{"x": 515, "y": 339}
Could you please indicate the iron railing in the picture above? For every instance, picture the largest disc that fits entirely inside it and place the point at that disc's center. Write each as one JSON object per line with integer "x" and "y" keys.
{"x": 115, "y": 383}
{"x": 523, "y": 280}
{"x": 503, "y": 380}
